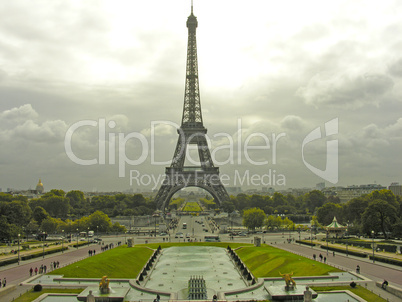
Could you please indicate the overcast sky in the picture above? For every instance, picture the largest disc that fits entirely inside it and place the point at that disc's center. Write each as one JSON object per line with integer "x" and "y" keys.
{"x": 267, "y": 69}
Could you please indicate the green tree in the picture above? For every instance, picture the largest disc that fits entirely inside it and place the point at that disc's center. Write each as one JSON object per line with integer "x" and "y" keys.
{"x": 379, "y": 216}
{"x": 328, "y": 211}
{"x": 57, "y": 206}
{"x": 99, "y": 221}
{"x": 49, "y": 225}
{"x": 273, "y": 223}
{"x": 54, "y": 192}
{"x": 118, "y": 228}
{"x": 354, "y": 208}
{"x": 314, "y": 199}
{"x": 279, "y": 200}
{"x": 253, "y": 218}
{"x": 227, "y": 206}
{"x": 17, "y": 212}
{"x": 40, "y": 214}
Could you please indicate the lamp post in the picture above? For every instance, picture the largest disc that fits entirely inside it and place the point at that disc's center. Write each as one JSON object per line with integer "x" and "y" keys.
{"x": 347, "y": 249}
{"x": 43, "y": 245}
{"x": 88, "y": 236}
{"x": 19, "y": 249}
{"x": 62, "y": 241}
{"x": 299, "y": 235}
{"x": 77, "y": 238}
{"x": 97, "y": 231}
{"x": 311, "y": 233}
{"x": 372, "y": 233}
{"x": 327, "y": 242}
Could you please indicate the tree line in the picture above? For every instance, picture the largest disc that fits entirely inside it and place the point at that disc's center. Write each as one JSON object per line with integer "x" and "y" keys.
{"x": 57, "y": 211}
{"x": 379, "y": 212}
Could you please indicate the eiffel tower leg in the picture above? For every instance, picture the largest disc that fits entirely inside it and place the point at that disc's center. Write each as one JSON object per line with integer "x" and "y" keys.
{"x": 162, "y": 196}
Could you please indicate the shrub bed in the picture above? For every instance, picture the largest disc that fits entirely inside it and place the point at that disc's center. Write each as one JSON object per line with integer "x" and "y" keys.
{"x": 357, "y": 254}
{"x": 305, "y": 242}
{"x": 386, "y": 260}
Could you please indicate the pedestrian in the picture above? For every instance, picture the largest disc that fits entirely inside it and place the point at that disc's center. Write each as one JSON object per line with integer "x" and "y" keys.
{"x": 320, "y": 257}
{"x": 94, "y": 252}
{"x": 358, "y": 269}
{"x": 384, "y": 284}
{"x": 44, "y": 269}
{"x": 30, "y": 271}
{"x": 4, "y": 282}
{"x": 325, "y": 259}
{"x": 333, "y": 253}
{"x": 36, "y": 270}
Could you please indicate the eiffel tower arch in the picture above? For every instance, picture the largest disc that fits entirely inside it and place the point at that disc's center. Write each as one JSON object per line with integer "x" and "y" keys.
{"x": 191, "y": 132}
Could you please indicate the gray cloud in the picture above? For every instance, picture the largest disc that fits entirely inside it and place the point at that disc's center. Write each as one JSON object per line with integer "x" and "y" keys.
{"x": 278, "y": 71}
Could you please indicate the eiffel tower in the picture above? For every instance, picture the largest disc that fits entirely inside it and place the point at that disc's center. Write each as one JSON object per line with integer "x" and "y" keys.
{"x": 191, "y": 132}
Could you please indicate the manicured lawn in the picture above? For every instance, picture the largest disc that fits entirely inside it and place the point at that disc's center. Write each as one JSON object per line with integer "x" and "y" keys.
{"x": 120, "y": 262}
{"x": 267, "y": 261}
{"x": 31, "y": 295}
{"x": 358, "y": 290}
{"x": 192, "y": 206}
{"x": 123, "y": 262}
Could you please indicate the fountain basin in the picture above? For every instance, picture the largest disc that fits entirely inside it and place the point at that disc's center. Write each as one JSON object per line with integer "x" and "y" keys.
{"x": 114, "y": 295}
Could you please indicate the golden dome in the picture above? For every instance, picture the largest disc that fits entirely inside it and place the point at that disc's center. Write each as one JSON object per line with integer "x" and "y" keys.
{"x": 39, "y": 187}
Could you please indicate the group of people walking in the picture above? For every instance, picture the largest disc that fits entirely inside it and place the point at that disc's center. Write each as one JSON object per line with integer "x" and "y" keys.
{"x": 43, "y": 268}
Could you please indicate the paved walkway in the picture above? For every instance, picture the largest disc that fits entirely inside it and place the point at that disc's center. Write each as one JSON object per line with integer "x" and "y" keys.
{"x": 15, "y": 274}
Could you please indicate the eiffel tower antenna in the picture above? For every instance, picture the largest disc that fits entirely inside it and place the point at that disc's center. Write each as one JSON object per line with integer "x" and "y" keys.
{"x": 191, "y": 132}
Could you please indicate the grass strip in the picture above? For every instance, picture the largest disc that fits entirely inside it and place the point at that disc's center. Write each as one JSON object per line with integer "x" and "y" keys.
{"x": 32, "y": 295}
{"x": 358, "y": 290}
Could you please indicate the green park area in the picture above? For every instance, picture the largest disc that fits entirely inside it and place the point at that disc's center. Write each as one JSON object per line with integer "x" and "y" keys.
{"x": 192, "y": 206}
{"x": 264, "y": 261}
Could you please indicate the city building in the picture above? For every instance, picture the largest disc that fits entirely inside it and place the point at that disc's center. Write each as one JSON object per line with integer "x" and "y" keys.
{"x": 396, "y": 188}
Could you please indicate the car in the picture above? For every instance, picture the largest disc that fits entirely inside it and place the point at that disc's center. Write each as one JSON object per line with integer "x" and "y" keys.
{"x": 97, "y": 239}
{"x": 187, "y": 235}
{"x": 181, "y": 236}
{"x": 178, "y": 235}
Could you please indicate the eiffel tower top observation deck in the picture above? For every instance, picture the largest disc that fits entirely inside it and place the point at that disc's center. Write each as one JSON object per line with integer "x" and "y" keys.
{"x": 191, "y": 132}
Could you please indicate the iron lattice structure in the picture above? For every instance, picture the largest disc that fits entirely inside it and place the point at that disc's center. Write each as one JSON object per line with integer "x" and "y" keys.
{"x": 191, "y": 132}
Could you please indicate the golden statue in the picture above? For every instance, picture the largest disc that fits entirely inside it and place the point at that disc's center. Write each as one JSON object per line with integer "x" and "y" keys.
{"x": 288, "y": 279}
{"x": 104, "y": 285}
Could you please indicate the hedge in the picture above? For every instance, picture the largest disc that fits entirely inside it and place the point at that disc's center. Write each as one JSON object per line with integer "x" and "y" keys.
{"x": 386, "y": 260}
{"x": 80, "y": 243}
{"x": 40, "y": 254}
{"x": 9, "y": 261}
{"x": 357, "y": 254}
{"x": 306, "y": 243}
